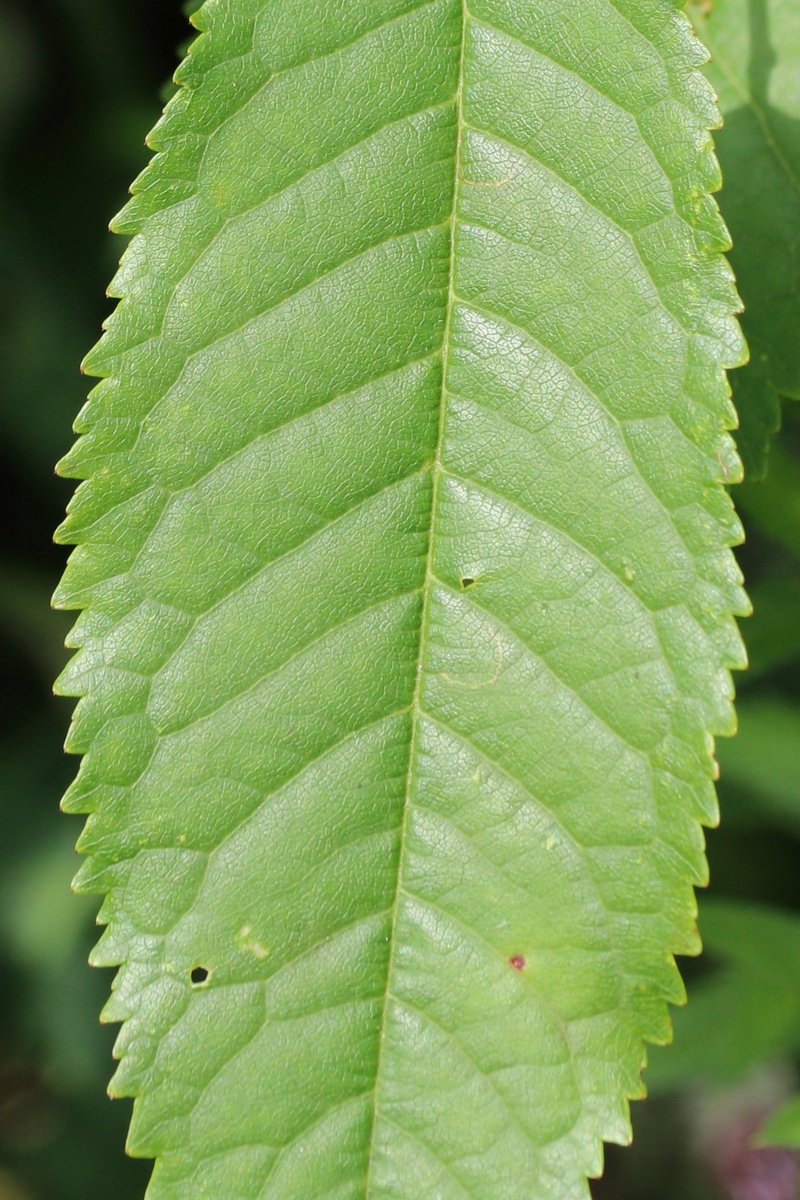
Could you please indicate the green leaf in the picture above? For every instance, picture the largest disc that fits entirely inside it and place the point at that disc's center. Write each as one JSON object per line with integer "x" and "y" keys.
{"x": 755, "y": 70}
{"x": 744, "y": 1013}
{"x": 404, "y": 555}
{"x": 782, "y": 1128}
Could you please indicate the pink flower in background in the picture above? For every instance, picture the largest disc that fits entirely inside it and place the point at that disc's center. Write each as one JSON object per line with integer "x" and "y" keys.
{"x": 727, "y": 1125}
{"x": 747, "y": 1172}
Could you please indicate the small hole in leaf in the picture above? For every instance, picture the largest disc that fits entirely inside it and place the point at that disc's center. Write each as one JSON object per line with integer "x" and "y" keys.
{"x": 517, "y": 961}
{"x": 467, "y": 582}
{"x": 199, "y": 976}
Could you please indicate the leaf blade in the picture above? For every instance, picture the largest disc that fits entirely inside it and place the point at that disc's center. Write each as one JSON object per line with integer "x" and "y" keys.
{"x": 405, "y": 634}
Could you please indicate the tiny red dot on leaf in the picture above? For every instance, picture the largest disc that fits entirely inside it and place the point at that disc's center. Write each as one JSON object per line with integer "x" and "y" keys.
{"x": 517, "y": 961}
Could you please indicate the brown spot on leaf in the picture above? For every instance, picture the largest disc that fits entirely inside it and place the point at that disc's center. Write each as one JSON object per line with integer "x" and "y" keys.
{"x": 517, "y": 961}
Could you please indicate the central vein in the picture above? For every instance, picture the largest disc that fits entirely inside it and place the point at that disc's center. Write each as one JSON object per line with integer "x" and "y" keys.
{"x": 436, "y": 473}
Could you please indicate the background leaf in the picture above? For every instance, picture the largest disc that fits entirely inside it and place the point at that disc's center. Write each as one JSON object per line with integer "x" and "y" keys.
{"x": 748, "y": 1010}
{"x": 765, "y": 757}
{"x": 783, "y": 1127}
{"x": 773, "y": 631}
{"x": 773, "y": 504}
{"x": 755, "y": 70}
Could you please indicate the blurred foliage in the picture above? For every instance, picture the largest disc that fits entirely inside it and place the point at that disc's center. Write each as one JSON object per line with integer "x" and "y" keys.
{"x": 746, "y": 1011}
{"x": 755, "y": 71}
{"x": 79, "y": 87}
{"x": 782, "y": 1128}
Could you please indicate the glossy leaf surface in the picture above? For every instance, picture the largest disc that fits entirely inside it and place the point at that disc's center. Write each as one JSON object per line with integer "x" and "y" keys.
{"x": 404, "y": 558}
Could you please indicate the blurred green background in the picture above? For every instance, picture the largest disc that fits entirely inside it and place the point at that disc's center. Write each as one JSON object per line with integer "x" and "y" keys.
{"x": 79, "y": 88}
{"x": 80, "y": 84}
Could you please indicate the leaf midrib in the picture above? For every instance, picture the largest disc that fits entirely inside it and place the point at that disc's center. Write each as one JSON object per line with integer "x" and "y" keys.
{"x": 427, "y": 587}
